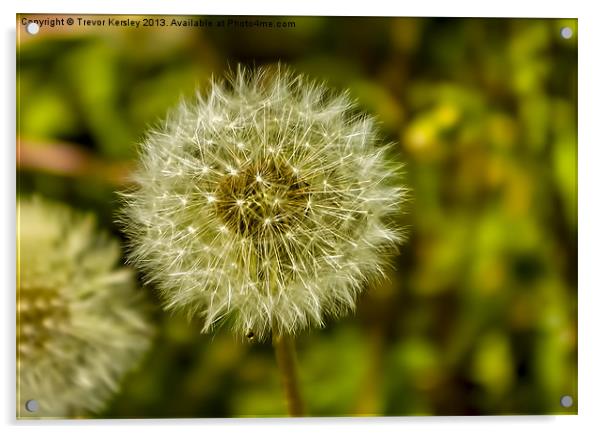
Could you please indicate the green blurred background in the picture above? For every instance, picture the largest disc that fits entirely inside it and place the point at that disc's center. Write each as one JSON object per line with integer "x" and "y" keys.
{"x": 480, "y": 314}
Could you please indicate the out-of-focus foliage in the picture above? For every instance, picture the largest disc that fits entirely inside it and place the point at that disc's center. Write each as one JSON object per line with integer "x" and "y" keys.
{"x": 479, "y": 314}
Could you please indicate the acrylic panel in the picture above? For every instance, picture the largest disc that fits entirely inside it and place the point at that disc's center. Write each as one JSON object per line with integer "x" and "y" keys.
{"x": 229, "y": 216}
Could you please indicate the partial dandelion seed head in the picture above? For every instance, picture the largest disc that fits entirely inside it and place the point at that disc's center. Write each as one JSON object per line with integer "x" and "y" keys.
{"x": 292, "y": 200}
{"x": 81, "y": 324}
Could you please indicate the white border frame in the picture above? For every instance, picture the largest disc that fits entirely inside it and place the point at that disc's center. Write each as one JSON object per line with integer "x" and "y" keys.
{"x": 590, "y": 217}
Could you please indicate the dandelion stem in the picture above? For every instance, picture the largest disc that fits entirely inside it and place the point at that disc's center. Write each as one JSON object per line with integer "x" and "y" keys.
{"x": 284, "y": 347}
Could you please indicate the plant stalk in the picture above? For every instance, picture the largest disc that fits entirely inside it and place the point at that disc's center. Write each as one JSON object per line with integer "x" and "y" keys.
{"x": 286, "y": 359}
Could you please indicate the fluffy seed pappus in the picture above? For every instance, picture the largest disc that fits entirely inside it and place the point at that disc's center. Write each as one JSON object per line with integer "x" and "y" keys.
{"x": 267, "y": 200}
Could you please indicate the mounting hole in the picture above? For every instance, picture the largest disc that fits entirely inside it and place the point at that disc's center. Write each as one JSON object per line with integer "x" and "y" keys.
{"x": 566, "y": 401}
{"x": 32, "y": 28}
{"x": 32, "y": 406}
{"x": 566, "y": 32}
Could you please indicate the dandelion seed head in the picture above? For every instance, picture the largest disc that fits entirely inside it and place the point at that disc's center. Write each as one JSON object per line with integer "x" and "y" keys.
{"x": 78, "y": 315}
{"x": 294, "y": 208}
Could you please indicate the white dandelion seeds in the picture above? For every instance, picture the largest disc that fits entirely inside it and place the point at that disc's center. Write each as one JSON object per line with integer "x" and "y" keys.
{"x": 289, "y": 196}
{"x": 81, "y": 325}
